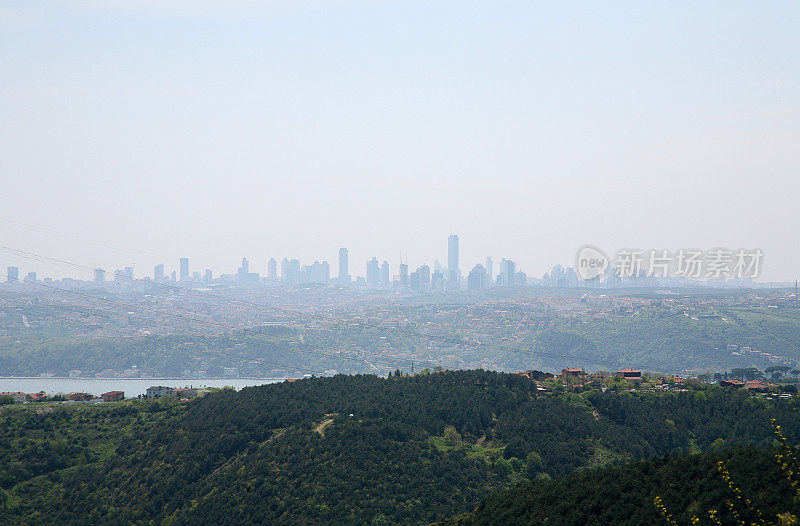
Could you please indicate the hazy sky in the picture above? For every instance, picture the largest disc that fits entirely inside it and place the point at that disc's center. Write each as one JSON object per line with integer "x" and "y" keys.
{"x": 148, "y": 130}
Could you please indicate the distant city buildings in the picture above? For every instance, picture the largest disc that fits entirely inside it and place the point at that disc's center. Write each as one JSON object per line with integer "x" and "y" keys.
{"x": 476, "y": 279}
{"x": 290, "y": 271}
{"x": 373, "y": 273}
{"x": 453, "y": 271}
{"x": 344, "y": 272}
{"x": 385, "y": 274}
{"x": 184, "y": 266}
{"x": 403, "y": 275}
{"x": 378, "y": 274}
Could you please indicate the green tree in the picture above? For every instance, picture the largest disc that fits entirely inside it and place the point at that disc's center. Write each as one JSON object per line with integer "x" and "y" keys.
{"x": 533, "y": 465}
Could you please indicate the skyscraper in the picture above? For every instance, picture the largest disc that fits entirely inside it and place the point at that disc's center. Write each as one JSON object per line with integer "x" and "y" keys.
{"x": 12, "y": 274}
{"x": 158, "y": 273}
{"x": 476, "y": 279}
{"x": 489, "y": 275}
{"x": 290, "y": 271}
{"x": 403, "y": 274}
{"x": 272, "y": 269}
{"x": 507, "y": 273}
{"x": 184, "y": 269}
{"x": 99, "y": 274}
{"x": 344, "y": 272}
{"x": 453, "y": 273}
{"x": 385, "y": 274}
{"x": 373, "y": 273}
{"x": 243, "y": 273}
{"x": 424, "y": 272}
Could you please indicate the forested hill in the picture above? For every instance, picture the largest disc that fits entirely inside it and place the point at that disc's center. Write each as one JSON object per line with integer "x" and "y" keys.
{"x": 346, "y": 449}
{"x": 688, "y": 486}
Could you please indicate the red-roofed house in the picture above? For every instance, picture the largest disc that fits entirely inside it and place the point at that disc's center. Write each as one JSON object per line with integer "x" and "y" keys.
{"x": 755, "y": 385}
{"x": 113, "y": 396}
{"x": 569, "y": 372}
{"x": 735, "y": 384}
{"x": 629, "y": 374}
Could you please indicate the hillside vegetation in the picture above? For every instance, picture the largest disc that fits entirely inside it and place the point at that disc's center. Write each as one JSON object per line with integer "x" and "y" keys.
{"x": 403, "y": 449}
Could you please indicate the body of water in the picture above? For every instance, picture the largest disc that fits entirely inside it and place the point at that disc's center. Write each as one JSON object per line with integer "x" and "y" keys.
{"x": 131, "y": 386}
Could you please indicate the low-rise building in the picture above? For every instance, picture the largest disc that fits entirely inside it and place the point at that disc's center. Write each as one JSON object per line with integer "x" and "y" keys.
{"x": 113, "y": 396}
{"x": 572, "y": 373}
{"x": 18, "y": 397}
{"x": 630, "y": 374}
{"x": 158, "y": 391}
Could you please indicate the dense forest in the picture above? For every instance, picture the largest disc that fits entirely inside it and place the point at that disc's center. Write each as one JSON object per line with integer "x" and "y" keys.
{"x": 347, "y": 449}
{"x": 688, "y": 486}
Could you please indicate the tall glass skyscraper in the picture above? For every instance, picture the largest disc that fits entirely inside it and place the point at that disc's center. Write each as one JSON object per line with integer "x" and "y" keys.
{"x": 184, "y": 269}
{"x": 453, "y": 273}
{"x": 344, "y": 272}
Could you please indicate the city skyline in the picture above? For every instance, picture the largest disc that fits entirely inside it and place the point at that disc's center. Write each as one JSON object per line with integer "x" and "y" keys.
{"x": 300, "y": 128}
{"x": 381, "y": 275}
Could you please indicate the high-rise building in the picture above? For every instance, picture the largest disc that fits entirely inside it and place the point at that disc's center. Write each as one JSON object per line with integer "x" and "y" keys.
{"x": 243, "y": 274}
{"x": 30, "y": 277}
{"x": 319, "y": 273}
{"x": 507, "y": 273}
{"x": 403, "y": 275}
{"x": 290, "y": 271}
{"x": 129, "y": 272}
{"x": 272, "y": 269}
{"x": 209, "y": 276}
{"x": 424, "y": 272}
{"x": 344, "y": 270}
{"x": 437, "y": 281}
{"x": 489, "y": 275}
{"x": 12, "y": 275}
{"x": 184, "y": 269}
{"x": 476, "y": 279}
{"x": 158, "y": 273}
{"x": 453, "y": 272}
{"x": 373, "y": 273}
{"x": 385, "y": 274}
{"x": 413, "y": 281}
{"x": 99, "y": 275}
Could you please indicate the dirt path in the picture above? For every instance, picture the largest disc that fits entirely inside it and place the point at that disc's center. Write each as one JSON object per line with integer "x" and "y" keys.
{"x": 321, "y": 427}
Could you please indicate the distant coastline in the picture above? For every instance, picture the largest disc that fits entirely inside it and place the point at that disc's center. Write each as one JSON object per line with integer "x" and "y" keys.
{"x": 132, "y": 387}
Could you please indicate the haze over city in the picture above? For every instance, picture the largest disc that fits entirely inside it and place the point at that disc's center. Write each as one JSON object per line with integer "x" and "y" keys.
{"x": 171, "y": 129}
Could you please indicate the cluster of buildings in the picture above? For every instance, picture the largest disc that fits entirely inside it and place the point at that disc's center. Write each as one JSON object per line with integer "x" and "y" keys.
{"x": 22, "y": 398}
{"x": 377, "y": 275}
{"x": 156, "y": 391}
{"x": 579, "y": 379}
